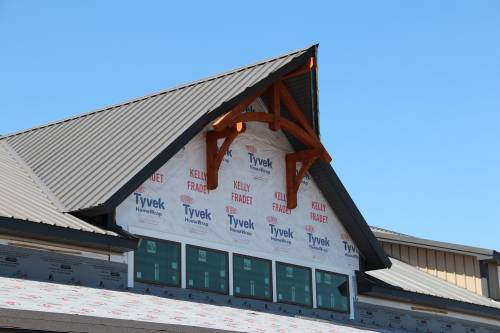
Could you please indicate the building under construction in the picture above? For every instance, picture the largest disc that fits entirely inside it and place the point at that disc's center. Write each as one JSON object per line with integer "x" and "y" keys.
{"x": 213, "y": 207}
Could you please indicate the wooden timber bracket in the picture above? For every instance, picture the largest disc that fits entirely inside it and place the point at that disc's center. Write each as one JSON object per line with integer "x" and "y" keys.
{"x": 294, "y": 178}
{"x": 231, "y": 124}
{"x": 216, "y": 154}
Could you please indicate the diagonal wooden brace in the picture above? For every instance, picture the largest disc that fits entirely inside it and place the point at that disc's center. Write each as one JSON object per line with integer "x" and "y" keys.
{"x": 297, "y": 114}
{"x": 294, "y": 178}
{"x": 229, "y": 125}
{"x": 306, "y": 68}
{"x": 228, "y": 120}
{"x": 216, "y": 154}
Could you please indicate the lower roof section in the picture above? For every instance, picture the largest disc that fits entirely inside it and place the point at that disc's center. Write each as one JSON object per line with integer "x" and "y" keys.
{"x": 403, "y": 282}
{"x": 65, "y": 235}
{"x": 28, "y": 210}
{"x": 54, "y": 307}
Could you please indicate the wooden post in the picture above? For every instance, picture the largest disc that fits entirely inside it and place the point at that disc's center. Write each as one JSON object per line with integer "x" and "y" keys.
{"x": 274, "y": 103}
{"x": 216, "y": 154}
{"x": 294, "y": 178}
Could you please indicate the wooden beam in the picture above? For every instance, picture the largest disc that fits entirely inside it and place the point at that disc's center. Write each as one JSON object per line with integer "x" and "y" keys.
{"x": 294, "y": 178}
{"x": 302, "y": 172}
{"x": 290, "y": 127}
{"x": 274, "y": 103}
{"x": 285, "y": 124}
{"x": 211, "y": 154}
{"x": 294, "y": 109}
{"x": 227, "y": 120}
{"x": 230, "y": 125}
{"x": 227, "y": 142}
{"x": 297, "y": 114}
{"x": 306, "y": 68}
{"x": 215, "y": 154}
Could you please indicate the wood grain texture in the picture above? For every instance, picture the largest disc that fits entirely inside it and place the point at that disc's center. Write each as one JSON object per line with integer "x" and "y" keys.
{"x": 450, "y": 268}
{"x": 470, "y": 282}
{"x": 431, "y": 262}
{"x": 477, "y": 279}
{"x": 387, "y": 248}
{"x": 395, "y": 250}
{"x": 405, "y": 254}
{"x": 440, "y": 265}
{"x": 413, "y": 256}
{"x": 494, "y": 281}
{"x": 422, "y": 259}
{"x": 460, "y": 270}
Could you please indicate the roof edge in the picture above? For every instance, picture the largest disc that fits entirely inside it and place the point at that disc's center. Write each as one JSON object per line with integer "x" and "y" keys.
{"x": 161, "y": 92}
{"x": 46, "y": 321}
{"x": 163, "y": 157}
{"x": 371, "y": 286}
{"x": 351, "y": 218}
{"x": 41, "y": 231}
{"x": 438, "y": 245}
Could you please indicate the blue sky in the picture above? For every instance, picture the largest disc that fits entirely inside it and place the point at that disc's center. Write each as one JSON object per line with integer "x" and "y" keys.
{"x": 409, "y": 91}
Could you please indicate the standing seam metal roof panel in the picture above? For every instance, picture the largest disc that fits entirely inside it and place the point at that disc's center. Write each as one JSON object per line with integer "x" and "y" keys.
{"x": 84, "y": 160}
{"x": 93, "y": 161}
{"x": 412, "y": 279}
{"x": 23, "y": 199}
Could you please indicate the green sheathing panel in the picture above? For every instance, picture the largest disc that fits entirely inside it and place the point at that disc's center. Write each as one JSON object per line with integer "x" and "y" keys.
{"x": 293, "y": 284}
{"x": 332, "y": 291}
{"x": 207, "y": 269}
{"x": 157, "y": 262}
{"x": 252, "y": 277}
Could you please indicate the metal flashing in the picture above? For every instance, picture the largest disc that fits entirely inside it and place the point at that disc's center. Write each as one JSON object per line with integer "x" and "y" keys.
{"x": 66, "y": 235}
{"x": 394, "y": 237}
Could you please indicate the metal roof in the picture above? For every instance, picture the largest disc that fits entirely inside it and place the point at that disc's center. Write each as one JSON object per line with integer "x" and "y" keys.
{"x": 24, "y": 199}
{"x": 56, "y": 307}
{"x": 385, "y": 231}
{"x": 395, "y": 237}
{"x": 90, "y": 163}
{"x": 84, "y": 160}
{"x": 409, "y": 278}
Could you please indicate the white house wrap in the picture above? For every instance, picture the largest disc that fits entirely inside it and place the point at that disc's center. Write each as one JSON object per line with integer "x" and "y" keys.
{"x": 247, "y": 213}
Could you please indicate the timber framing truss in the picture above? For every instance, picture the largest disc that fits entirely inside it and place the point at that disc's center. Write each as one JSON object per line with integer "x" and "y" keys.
{"x": 231, "y": 124}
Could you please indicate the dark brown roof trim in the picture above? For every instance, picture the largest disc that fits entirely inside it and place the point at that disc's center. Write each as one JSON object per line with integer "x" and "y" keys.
{"x": 47, "y": 232}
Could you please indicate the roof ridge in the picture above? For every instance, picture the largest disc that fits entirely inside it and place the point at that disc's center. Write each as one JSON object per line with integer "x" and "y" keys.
{"x": 158, "y": 93}
{"x": 390, "y": 231}
{"x": 44, "y": 190}
{"x": 437, "y": 243}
